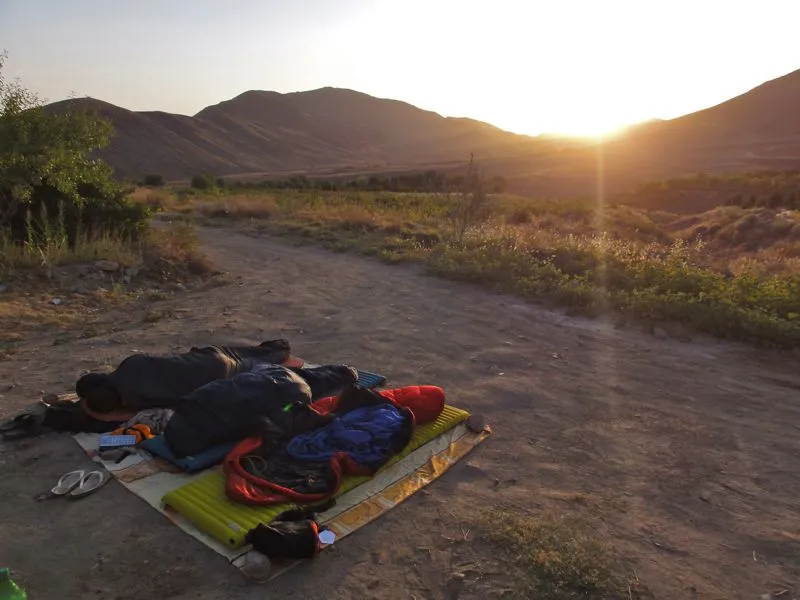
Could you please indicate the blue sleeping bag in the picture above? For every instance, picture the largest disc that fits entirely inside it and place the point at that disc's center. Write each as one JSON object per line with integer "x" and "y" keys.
{"x": 367, "y": 434}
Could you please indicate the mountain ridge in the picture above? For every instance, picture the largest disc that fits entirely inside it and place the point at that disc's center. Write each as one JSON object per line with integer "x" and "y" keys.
{"x": 329, "y": 129}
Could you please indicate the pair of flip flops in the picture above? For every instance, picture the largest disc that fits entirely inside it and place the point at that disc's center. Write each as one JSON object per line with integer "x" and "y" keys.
{"x": 21, "y": 426}
{"x": 77, "y": 484}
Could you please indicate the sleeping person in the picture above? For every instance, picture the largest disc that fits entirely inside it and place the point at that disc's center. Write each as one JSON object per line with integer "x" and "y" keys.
{"x": 144, "y": 381}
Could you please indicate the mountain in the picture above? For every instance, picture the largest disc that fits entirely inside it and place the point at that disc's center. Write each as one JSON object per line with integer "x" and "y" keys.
{"x": 332, "y": 130}
{"x": 260, "y": 131}
{"x": 759, "y": 129}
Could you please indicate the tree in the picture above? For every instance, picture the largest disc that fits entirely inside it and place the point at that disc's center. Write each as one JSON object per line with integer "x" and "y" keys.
{"x": 41, "y": 148}
{"x": 471, "y": 205}
{"x": 202, "y": 181}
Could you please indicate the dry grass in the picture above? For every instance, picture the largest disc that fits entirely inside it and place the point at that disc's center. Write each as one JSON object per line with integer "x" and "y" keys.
{"x": 38, "y": 275}
{"x": 238, "y": 207}
{"x": 47, "y": 254}
{"x": 173, "y": 253}
{"x": 155, "y": 198}
{"x": 554, "y": 559}
{"x": 731, "y": 272}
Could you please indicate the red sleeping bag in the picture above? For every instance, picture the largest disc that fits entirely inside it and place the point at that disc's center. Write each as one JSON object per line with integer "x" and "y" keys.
{"x": 422, "y": 404}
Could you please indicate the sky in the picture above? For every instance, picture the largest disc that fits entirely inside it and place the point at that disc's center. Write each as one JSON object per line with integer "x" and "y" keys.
{"x": 581, "y": 67}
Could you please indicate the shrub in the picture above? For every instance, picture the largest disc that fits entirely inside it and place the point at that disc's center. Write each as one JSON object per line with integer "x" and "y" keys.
{"x": 153, "y": 180}
{"x": 202, "y": 182}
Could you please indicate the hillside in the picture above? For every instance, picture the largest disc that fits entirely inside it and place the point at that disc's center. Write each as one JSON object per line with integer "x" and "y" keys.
{"x": 759, "y": 129}
{"x": 330, "y": 129}
{"x": 261, "y": 131}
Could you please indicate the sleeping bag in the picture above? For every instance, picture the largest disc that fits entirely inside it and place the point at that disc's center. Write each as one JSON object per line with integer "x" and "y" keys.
{"x": 229, "y": 410}
{"x": 366, "y": 430}
{"x": 146, "y": 381}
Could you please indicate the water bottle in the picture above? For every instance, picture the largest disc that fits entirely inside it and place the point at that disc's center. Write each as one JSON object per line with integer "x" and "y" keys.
{"x": 8, "y": 589}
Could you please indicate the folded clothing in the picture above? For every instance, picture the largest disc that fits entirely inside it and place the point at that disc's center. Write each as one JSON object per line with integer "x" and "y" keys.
{"x": 155, "y": 418}
{"x": 158, "y": 446}
{"x": 140, "y": 431}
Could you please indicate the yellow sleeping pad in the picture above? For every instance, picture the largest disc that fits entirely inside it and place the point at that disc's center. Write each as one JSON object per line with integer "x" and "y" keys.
{"x": 204, "y": 503}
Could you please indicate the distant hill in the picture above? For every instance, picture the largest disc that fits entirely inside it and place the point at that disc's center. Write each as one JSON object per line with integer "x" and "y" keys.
{"x": 759, "y": 129}
{"x": 260, "y": 131}
{"x": 333, "y": 130}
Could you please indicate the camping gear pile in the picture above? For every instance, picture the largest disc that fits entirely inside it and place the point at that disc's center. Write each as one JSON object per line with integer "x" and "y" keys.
{"x": 287, "y": 434}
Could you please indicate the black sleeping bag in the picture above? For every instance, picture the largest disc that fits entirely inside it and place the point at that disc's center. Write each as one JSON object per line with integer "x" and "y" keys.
{"x": 229, "y": 410}
{"x": 145, "y": 381}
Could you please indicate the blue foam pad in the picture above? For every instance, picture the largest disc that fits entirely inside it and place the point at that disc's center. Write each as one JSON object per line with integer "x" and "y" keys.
{"x": 370, "y": 380}
{"x": 158, "y": 446}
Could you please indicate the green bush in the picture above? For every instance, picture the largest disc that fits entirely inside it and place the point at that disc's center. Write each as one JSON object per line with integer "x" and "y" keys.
{"x": 202, "y": 181}
{"x": 153, "y": 180}
{"x": 47, "y": 168}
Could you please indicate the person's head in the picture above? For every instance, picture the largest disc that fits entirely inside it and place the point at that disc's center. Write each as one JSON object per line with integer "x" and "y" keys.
{"x": 97, "y": 393}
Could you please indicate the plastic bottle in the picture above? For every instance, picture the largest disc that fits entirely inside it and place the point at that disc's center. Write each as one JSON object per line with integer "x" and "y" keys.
{"x": 8, "y": 589}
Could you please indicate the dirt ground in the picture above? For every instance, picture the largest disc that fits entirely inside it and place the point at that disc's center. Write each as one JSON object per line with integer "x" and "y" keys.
{"x": 684, "y": 456}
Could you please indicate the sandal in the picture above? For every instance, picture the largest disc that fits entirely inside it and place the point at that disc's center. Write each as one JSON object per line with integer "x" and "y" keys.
{"x": 67, "y": 483}
{"x": 90, "y": 483}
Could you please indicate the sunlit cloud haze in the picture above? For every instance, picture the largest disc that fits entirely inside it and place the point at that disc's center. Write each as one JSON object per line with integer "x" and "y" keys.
{"x": 566, "y": 66}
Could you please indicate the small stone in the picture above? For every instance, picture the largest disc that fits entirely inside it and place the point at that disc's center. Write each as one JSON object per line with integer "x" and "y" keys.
{"x": 476, "y": 423}
{"x": 109, "y": 266}
{"x": 660, "y": 333}
{"x": 132, "y": 272}
{"x": 704, "y": 496}
{"x": 257, "y": 566}
{"x": 3, "y": 288}
{"x": 459, "y": 576}
{"x": 49, "y": 397}
{"x": 56, "y": 301}
{"x": 180, "y": 287}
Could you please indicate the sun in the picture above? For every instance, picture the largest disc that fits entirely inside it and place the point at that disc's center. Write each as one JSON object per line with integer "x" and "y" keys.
{"x": 588, "y": 123}
{"x": 590, "y": 119}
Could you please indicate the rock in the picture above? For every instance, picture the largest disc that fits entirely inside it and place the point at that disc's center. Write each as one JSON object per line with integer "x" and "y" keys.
{"x": 180, "y": 287}
{"x": 49, "y": 397}
{"x": 109, "y": 266}
{"x": 257, "y": 566}
{"x": 83, "y": 270}
{"x": 660, "y": 333}
{"x": 476, "y": 423}
{"x": 132, "y": 272}
{"x": 56, "y": 301}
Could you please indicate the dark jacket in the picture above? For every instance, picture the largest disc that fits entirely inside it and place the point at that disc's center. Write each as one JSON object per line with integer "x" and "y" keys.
{"x": 145, "y": 381}
{"x": 229, "y": 410}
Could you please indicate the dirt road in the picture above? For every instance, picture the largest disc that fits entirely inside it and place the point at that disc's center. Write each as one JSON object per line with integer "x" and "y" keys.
{"x": 686, "y": 456}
